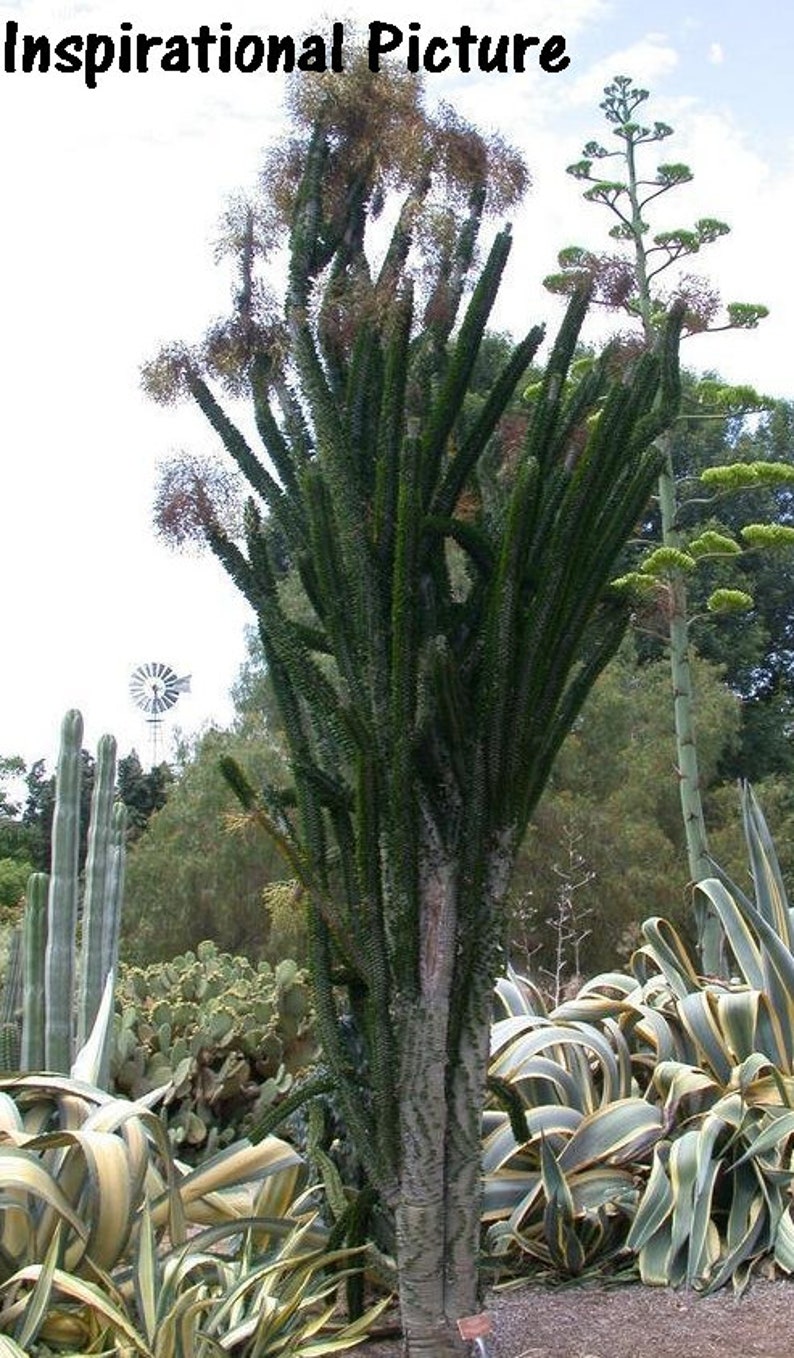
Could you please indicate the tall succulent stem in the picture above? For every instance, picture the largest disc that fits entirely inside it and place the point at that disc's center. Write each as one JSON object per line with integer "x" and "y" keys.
{"x": 96, "y": 900}
{"x": 56, "y": 989}
{"x": 34, "y": 944}
{"x": 60, "y": 953}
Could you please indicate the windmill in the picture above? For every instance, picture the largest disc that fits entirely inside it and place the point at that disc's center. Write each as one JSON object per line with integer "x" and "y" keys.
{"x": 155, "y": 688}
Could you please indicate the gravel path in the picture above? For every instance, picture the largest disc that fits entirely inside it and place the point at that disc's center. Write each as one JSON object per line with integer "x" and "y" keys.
{"x": 634, "y": 1322}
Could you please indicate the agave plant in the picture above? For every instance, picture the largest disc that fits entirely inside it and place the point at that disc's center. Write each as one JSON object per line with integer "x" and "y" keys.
{"x": 719, "y": 1195}
{"x": 658, "y": 1098}
{"x": 101, "y": 1246}
{"x": 560, "y": 1159}
{"x": 221, "y": 1292}
{"x": 76, "y": 1161}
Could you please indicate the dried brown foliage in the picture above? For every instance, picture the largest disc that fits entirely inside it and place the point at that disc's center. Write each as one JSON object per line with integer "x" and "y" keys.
{"x": 166, "y": 378}
{"x": 381, "y": 133}
{"x": 195, "y": 497}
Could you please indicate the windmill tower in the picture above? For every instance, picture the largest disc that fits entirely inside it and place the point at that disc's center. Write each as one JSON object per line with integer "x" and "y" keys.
{"x": 155, "y": 688}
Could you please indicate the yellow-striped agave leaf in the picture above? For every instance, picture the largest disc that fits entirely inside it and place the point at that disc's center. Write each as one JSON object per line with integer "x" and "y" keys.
{"x": 23, "y": 1175}
{"x": 89, "y": 1295}
{"x": 554, "y": 1062}
{"x": 624, "y": 1130}
{"x": 664, "y": 948}
{"x": 770, "y": 891}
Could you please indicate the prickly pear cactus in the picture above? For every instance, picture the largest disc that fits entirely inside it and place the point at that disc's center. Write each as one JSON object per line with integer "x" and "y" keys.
{"x": 226, "y": 1040}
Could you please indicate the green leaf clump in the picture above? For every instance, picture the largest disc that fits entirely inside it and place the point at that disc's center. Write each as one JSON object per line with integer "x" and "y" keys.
{"x": 747, "y": 475}
{"x": 666, "y": 559}
{"x": 768, "y": 535}
{"x": 729, "y": 601}
{"x": 712, "y": 543}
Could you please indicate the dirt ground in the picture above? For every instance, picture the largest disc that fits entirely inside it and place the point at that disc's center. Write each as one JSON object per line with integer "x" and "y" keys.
{"x": 632, "y": 1321}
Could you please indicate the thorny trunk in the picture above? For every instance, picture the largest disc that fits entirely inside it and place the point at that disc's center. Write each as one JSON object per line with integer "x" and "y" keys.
{"x": 424, "y": 1117}
{"x": 421, "y": 1213}
{"x": 443, "y": 1075}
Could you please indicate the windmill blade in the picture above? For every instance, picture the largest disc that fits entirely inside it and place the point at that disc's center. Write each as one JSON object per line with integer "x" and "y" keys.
{"x": 155, "y": 687}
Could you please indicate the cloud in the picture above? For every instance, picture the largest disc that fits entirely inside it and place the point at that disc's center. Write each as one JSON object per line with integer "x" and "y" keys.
{"x": 716, "y": 54}
{"x": 648, "y": 61}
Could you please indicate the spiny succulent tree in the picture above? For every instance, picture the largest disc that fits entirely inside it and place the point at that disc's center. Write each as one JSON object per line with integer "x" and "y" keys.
{"x": 632, "y": 279}
{"x": 443, "y": 639}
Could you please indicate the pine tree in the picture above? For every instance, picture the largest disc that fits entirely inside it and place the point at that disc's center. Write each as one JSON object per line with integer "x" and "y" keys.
{"x": 453, "y": 616}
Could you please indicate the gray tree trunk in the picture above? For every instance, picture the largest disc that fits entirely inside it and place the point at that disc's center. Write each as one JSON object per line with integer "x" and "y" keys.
{"x": 442, "y": 1093}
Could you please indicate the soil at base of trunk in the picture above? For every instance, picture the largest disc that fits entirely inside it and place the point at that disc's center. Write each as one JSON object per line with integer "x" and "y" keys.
{"x": 633, "y": 1322}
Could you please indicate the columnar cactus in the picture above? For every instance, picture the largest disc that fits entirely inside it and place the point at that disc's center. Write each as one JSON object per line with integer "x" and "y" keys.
{"x": 55, "y": 979}
{"x": 59, "y": 957}
{"x": 11, "y": 1003}
{"x": 98, "y": 924}
{"x": 34, "y": 942}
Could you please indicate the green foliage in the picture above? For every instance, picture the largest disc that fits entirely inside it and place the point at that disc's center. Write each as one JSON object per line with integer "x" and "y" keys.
{"x": 729, "y": 601}
{"x": 746, "y": 476}
{"x": 11, "y": 766}
{"x": 774, "y": 535}
{"x": 198, "y": 870}
{"x": 712, "y": 543}
{"x": 663, "y": 560}
{"x": 14, "y": 873}
{"x": 222, "y": 1039}
{"x": 142, "y": 793}
{"x": 611, "y": 796}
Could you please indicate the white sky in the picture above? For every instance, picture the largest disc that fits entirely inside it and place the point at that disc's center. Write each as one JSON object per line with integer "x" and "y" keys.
{"x": 111, "y": 200}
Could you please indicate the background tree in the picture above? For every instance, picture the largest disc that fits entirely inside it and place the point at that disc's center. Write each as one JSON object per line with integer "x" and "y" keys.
{"x": 629, "y": 280}
{"x": 454, "y": 635}
{"x": 611, "y": 798}
{"x": 15, "y": 838}
{"x": 191, "y": 875}
{"x": 142, "y": 793}
{"x": 756, "y": 648}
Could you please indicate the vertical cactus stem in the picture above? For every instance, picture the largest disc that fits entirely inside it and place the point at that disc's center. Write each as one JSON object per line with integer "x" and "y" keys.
{"x": 111, "y": 923}
{"x": 12, "y": 983}
{"x": 34, "y": 943}
{"x": 11, "y": 1006}
{"x": 111, "y": 919}
{"x": 96, "y": 901}
{"x": 62, "y": 906}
